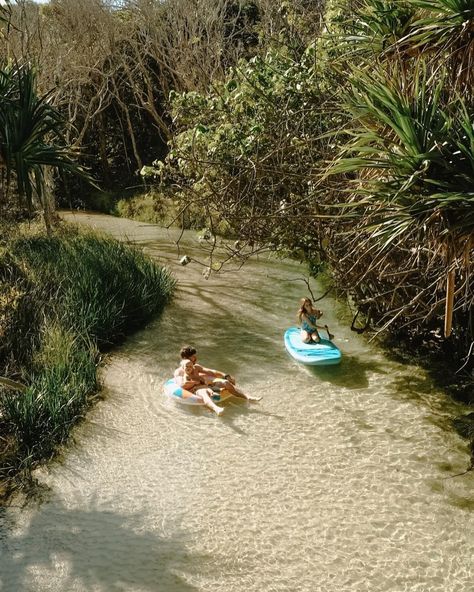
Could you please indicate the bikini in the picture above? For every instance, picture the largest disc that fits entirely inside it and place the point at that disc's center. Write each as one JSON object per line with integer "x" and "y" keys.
{"x": 306, "y": 327}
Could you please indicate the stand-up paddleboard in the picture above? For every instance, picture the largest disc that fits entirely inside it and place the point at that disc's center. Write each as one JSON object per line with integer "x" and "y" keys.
{"x": 324, "y": 353}
{"x": 174, "y": 391}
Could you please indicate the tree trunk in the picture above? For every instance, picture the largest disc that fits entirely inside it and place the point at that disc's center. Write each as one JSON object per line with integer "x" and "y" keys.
{"x": 47, "y": 199}
{"x": 448, "y": 313}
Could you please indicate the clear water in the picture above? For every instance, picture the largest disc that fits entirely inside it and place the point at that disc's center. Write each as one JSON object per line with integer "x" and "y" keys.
{"x": 339, "y": 480}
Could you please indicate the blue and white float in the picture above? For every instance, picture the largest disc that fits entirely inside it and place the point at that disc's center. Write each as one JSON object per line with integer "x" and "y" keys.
{"x": 324, "y": 353}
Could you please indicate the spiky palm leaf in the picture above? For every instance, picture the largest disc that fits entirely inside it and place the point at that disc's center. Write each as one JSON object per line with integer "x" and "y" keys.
{"x": 445, "y": 28}
{"x": 30, "y": 134}
{"x": 414, "y": 161}
{"x": 422, "y": 151}
{"x": 377, "y": 27}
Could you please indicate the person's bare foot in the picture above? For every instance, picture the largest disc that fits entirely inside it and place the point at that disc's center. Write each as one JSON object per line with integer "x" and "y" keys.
{"x": 219, "y": 410}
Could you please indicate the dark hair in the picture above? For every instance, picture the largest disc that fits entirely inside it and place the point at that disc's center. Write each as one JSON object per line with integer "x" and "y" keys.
{"x": 187, "y": 351}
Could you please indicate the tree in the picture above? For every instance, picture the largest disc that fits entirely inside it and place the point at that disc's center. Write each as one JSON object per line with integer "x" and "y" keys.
{"x": 31, "y": 140}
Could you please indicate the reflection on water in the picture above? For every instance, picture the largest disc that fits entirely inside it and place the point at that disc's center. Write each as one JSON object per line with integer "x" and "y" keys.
{"x": 339, "y": 480}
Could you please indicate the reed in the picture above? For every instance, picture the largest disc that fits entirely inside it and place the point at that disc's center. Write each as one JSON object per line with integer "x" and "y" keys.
{"x": 101, "y": 288}
{"x": 75, "y": 295}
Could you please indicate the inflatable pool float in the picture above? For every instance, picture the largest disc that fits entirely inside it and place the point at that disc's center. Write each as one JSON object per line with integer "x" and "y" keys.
{"x": 174, "y": 391}
{"x": 324, "y": 353}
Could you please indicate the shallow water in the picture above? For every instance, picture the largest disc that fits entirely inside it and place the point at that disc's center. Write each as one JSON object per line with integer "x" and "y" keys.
{"x": 339, "y": 480}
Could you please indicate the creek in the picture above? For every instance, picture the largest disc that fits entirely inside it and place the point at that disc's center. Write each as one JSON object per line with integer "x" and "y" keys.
{"x": 339, "y": 480}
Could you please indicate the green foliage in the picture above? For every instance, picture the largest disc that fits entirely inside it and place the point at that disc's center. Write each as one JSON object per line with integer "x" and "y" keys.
{"x": 30, "y": 135}
{"x": 434, "y": 32}
{"x": 354, "y": 152}
{"x": 246, "y": 152}
{"x": 377, "y": 30}
{"x": 442, "y": 21}
{"x": 42, "y": 418}
{"x": 407, "y": 167}
{"x": 422, "y": 151}
{"x": 411, "y": 131}
{"x": 75, "y": 293}
{"x": 100, "y": 286}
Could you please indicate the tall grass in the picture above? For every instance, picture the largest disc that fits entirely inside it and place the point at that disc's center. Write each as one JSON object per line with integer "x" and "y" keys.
{"x": 101, "y": 288}
{"x": 75, "y": 294}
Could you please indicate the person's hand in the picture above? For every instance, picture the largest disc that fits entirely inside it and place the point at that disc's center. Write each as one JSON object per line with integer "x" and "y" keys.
{"x": 230, "y": 378}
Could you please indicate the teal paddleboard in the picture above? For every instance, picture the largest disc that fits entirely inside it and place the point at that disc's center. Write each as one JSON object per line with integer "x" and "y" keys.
{"x": 324, "y": 353}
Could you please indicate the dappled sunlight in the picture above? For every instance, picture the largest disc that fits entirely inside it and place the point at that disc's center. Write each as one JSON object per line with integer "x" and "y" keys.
{"x": 338, "y": 475}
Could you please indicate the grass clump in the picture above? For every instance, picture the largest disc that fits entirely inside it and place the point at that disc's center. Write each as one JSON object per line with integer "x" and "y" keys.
{"x": 63, "y": 299}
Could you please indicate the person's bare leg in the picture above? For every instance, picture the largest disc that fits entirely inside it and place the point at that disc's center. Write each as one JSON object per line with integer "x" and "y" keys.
{"x": 316, "y": 337}
{"x": 207, "y": 400}
{"x": 233, "y": 390}
{"x": 305, "y": 336}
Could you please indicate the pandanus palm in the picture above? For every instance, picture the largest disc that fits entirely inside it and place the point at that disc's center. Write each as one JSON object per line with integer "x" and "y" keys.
{"x": 30, "y": 136}
{"x": 444, "y": 31}
{"x": 436, "y": 31}
{"x": 413, "y": 156}
{"x": 377, "y": 28}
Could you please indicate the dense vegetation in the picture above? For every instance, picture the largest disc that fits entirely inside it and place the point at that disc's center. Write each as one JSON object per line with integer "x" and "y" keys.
{"x": 356, "y": 150}
{"x": 63, "y": 299}
{"x": 340, "y": 132}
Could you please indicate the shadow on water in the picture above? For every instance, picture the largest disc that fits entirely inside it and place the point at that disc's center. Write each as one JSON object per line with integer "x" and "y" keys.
{"x": 421, "y": 390}
{"x": 234, "y": 407}
{"x": 102, "y": 549}
{"x": 215, "y": 336}
{"x": 220, "y": 292}
{"x": 453, "y": 498}
{"x": 351, "y": 373}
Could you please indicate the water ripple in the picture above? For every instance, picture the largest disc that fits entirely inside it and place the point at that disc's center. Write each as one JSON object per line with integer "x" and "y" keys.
{"x": 335, "y": 482}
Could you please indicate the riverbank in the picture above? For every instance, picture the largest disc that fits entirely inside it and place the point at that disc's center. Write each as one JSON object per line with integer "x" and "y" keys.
{"x": 143, "y": 205}
{"x": 63, "y": 301}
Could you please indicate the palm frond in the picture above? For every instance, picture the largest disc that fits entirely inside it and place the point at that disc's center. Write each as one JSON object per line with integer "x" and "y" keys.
{"x": 30, "y": 134}
{"x": 444, "y": 29}
{"x": 413, "y": 157}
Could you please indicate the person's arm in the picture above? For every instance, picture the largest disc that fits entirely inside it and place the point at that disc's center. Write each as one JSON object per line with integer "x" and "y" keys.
{"x": 211, "y": 372}
{"x": 188, "y": 385}
{"x": 190, "y": 371}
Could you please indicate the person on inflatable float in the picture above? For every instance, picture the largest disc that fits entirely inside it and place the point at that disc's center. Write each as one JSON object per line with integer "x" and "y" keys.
{"x": 201, "y": 381}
